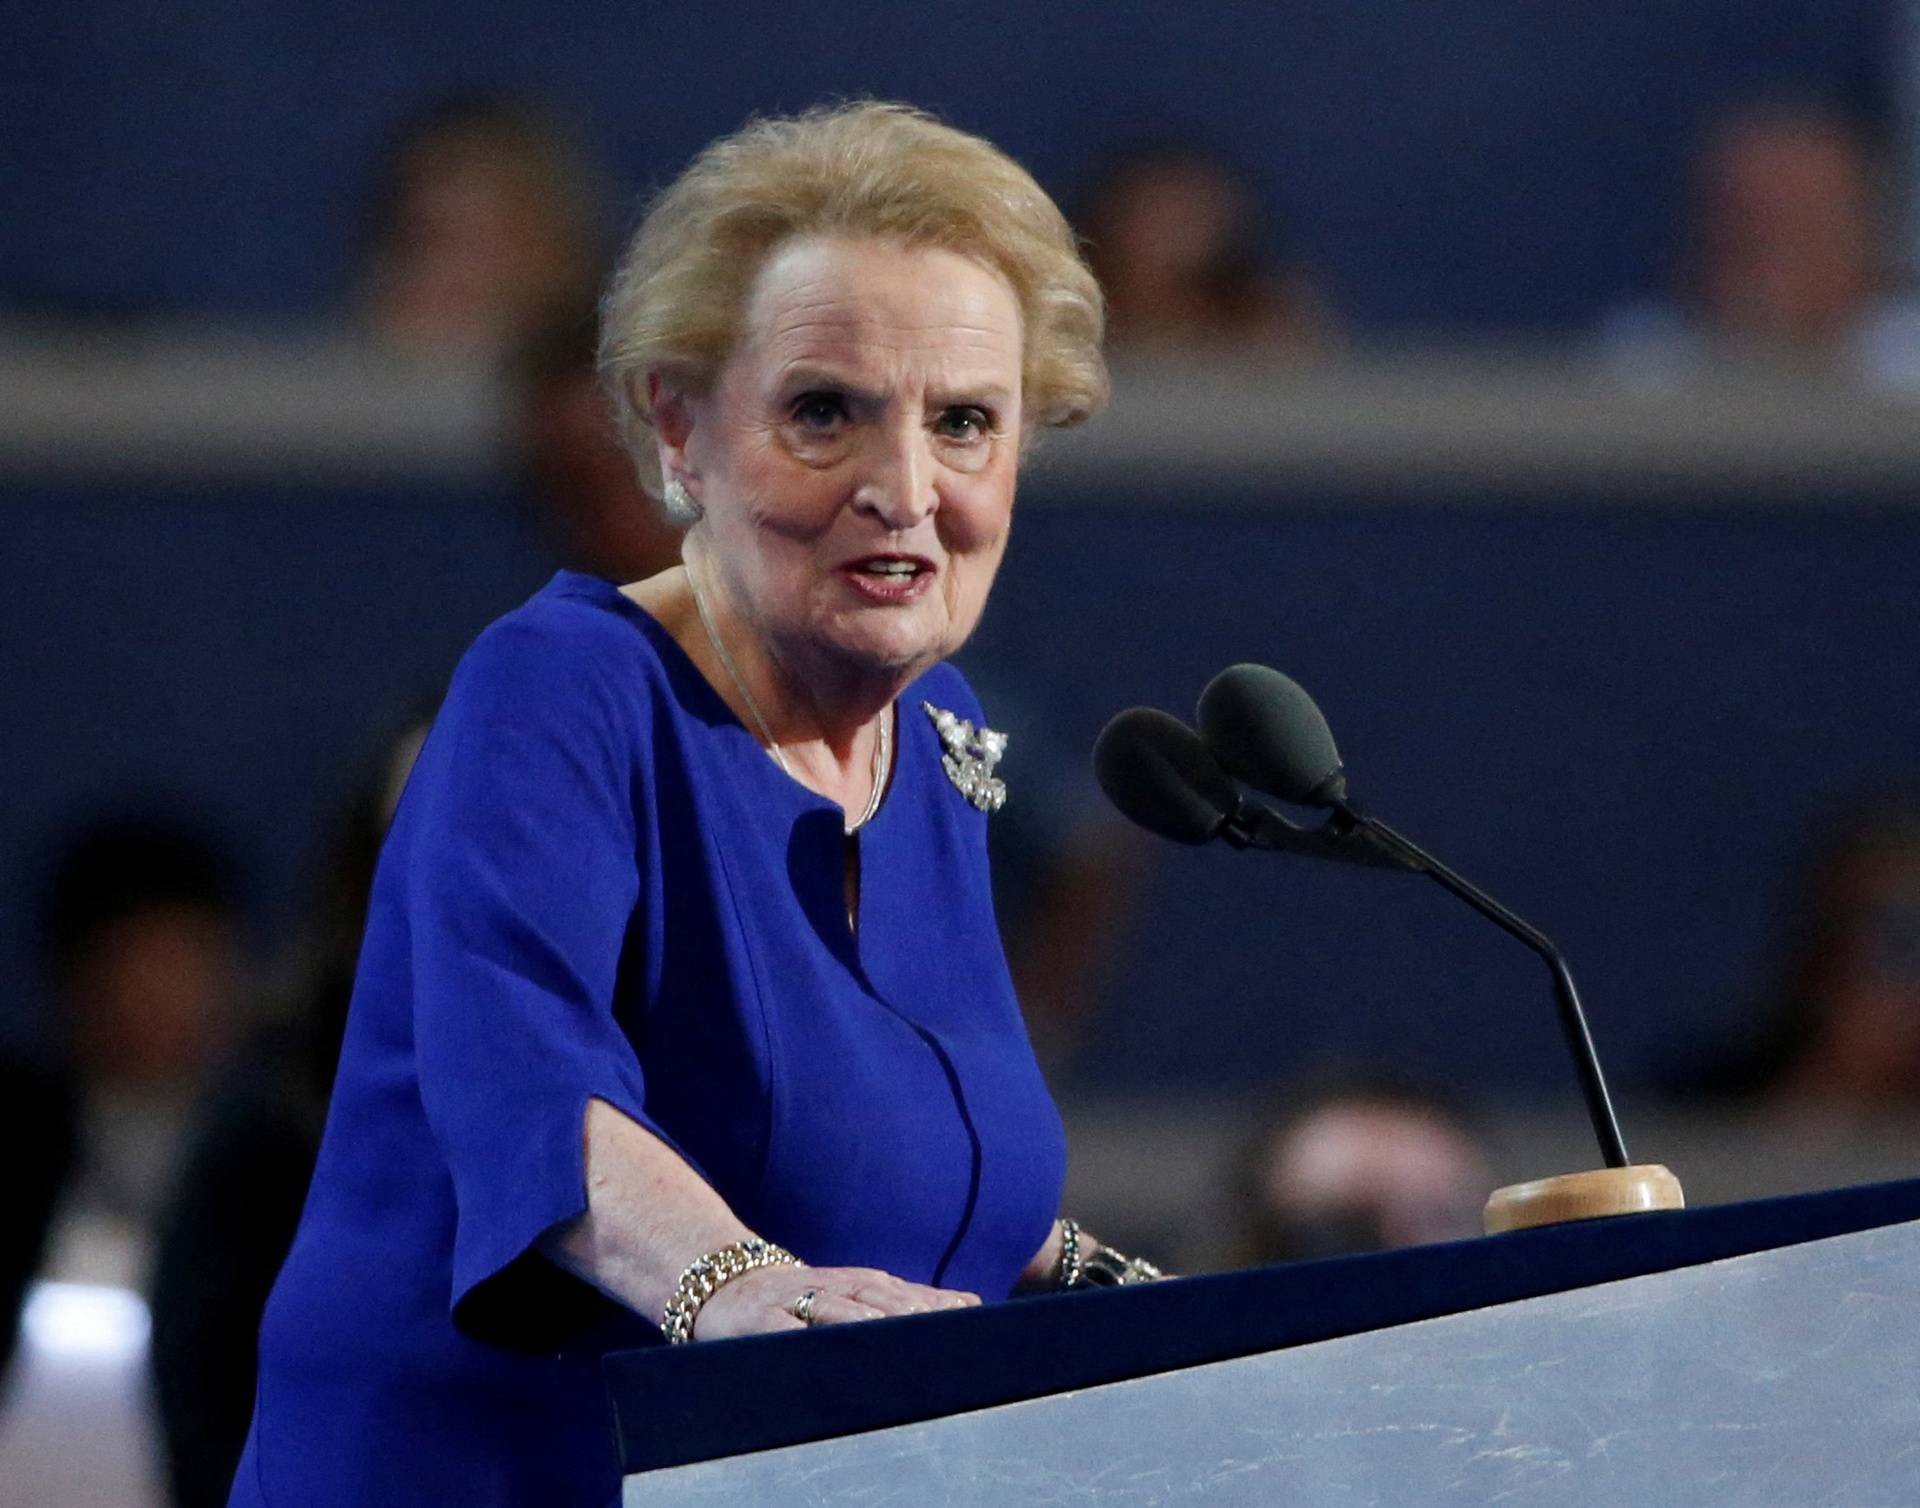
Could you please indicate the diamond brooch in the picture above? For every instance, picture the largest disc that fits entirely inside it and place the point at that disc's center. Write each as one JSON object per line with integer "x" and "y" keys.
{"x": 969, "y": 756}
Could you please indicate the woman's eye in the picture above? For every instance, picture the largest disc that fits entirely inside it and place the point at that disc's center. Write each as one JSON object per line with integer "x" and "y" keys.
{"x": 965, "y": 423}
{"x": 818, "y": 411}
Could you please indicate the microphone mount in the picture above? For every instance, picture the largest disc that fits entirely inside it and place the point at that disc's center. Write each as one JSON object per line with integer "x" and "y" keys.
{"x": 1348, "y": 821}
{"x": 1261, "y": 828}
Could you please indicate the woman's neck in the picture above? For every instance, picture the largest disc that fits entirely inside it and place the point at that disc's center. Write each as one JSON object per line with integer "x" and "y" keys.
{"x": 821, "y": 722}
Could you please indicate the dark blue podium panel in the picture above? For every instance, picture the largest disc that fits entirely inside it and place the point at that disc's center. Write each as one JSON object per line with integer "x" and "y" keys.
{"x": 1781, "y": 1377}
{"x": 1721, "y": 1348}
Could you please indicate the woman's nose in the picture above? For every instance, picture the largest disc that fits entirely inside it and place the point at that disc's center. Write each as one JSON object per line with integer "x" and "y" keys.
{"x": 897, "y": 485}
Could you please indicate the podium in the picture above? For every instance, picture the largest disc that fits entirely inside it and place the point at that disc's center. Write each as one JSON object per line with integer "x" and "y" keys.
{"x": 1764, "y": 1353}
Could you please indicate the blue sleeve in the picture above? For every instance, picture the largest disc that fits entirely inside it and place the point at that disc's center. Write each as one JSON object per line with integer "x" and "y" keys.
{"x": 522, "y": 883}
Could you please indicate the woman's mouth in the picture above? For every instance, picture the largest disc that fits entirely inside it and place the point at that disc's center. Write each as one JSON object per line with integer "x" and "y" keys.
{"x": 889, "y": 578}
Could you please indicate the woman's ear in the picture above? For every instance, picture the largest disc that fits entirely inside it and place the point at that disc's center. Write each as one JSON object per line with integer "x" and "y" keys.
{"x": 671, "y": 411}
{"x": 674, "y": 411}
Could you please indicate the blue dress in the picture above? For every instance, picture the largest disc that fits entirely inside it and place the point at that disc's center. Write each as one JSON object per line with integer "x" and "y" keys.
{"x": 598, "y": 885}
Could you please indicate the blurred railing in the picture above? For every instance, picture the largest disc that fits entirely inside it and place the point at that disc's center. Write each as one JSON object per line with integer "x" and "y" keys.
{"x": 171, "y": 404}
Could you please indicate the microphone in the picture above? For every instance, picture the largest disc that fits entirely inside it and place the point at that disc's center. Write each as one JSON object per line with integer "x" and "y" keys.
{"x": 1161, "y": 775}
{"x": 1266, "y": 730}
{"x": 1156, "y": 770}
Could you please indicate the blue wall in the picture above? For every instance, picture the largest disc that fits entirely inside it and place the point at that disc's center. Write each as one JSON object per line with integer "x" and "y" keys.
{"x": 233, "y": 653}
{"x": 1622, "y": 718}
{"x": 1486, "y": 162}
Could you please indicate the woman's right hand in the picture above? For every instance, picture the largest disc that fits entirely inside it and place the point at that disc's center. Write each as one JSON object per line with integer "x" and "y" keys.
{"x": 763, "y": 1300}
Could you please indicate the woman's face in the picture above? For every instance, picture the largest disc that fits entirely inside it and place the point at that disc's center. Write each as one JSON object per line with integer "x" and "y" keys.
{"x": 856, "y": 457}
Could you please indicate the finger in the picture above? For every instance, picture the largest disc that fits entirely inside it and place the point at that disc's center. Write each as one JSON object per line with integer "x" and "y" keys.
{"x": 839, "y": 1309}
{"x": 939, "y": 1299}
{"x": 893, "y": 1302}
{"x": 896, "y": 1295}
{"x": 916, "y": 1298}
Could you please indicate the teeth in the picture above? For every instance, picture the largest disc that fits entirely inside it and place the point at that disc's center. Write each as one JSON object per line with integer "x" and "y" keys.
{"x": 889, "y": 567}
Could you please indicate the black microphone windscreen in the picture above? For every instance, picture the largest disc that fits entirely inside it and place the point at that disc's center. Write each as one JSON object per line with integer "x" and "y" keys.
{"x": 1158, "y": 772}
{"x": 1266, "y": 730}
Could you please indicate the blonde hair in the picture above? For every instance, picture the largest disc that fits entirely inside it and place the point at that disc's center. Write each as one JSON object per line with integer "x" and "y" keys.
{"x": 862, "y": 170}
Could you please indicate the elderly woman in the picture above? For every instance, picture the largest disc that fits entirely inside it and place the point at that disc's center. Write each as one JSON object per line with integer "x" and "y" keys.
{"x": 681, "y": 1007}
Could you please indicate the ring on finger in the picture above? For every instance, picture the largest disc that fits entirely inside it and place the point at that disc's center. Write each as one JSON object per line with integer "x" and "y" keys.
{"x": 802, "y": 1307}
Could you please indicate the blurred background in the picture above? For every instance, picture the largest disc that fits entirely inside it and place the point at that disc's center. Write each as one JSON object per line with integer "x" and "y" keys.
{"x": 1541, "y": 388}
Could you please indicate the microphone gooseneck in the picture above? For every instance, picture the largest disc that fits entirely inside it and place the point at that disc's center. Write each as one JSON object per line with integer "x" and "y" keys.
{"x": 1266, "y": 730}
{"x": 1573, "y": 1020}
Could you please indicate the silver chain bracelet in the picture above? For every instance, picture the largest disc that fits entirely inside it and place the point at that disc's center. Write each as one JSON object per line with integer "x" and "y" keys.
{"x": 1070, "y": 1268}
{"x": 1106, "y": 1268}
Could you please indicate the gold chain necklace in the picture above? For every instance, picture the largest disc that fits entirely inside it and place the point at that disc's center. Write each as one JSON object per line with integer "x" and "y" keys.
{"x": 882, "y": 745}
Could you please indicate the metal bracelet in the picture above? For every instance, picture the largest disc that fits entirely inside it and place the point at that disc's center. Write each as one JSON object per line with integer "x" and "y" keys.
{"x": 1103, "y": 1268}
{"x": 705, "y": 1276}
{"x": 1108, "y": 1268}
{"x": 1070, "y": 1265}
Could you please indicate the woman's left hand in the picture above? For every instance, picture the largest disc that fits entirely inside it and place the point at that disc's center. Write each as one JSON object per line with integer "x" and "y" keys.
{"x": 1044, "y": 1270}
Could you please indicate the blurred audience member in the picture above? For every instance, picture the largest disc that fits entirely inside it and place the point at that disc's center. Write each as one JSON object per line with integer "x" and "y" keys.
{"x": 1067, "y": 869}
{"x": 1843, "y": 1044}
{"x": 141, "y": 944}
{"x": 589, "y": 503}
{"x": 251, "y": 1155}
{"x": 1788, "y": 263}
{"x": 1065, "y": 890}
{"x": 39, "y": 1123}
{"x": 483, "y": 232}
{"x": 141, "y": 951}
{"x": 1361, "y": 1166}
{"x": 1182, "y": 250}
